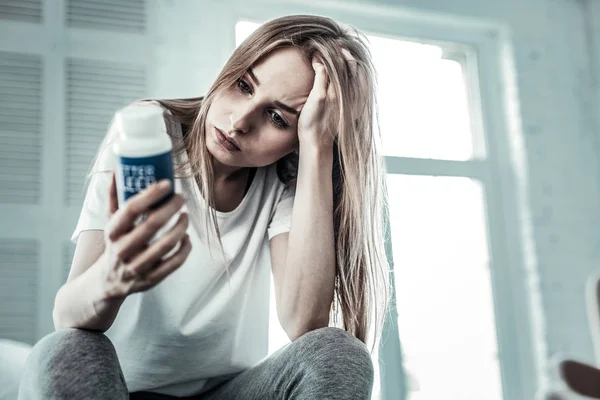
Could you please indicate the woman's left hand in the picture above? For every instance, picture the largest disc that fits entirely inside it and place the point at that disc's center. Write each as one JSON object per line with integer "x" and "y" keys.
{"x": 319, "y": 118}
{"x": 317, "y": 123}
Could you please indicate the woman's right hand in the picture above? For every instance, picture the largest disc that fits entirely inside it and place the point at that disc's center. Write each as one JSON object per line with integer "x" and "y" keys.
{"x": 133, "y": 265}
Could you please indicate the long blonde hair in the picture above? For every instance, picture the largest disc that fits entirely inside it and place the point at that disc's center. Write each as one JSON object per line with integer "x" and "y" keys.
{"x": 361, "y": 282}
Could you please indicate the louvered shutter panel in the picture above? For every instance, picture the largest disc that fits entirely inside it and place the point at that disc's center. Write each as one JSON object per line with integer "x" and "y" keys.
{"x": 20, "y": 126}
{"x": 18, "y": 289}
{"x": 95, "y": 90}
{"x": 21, "y": 10}
{"x": 112, "y": 15}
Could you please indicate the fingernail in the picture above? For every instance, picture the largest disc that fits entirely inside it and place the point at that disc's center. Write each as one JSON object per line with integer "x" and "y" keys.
{"x": 164, "y": 184}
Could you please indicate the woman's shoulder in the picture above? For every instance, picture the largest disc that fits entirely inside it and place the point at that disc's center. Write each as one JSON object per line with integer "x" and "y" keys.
{"x": 152, "y": 104}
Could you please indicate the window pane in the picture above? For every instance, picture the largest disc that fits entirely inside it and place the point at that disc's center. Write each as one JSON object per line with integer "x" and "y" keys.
{"x": 444, "y": 299}
{"x": 243, "y": 29}
{"x": 422, "y": 101}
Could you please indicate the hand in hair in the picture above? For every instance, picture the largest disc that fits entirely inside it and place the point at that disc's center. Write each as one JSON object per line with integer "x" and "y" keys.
{"x": 317, "y": 123}
{"x": 351, "y": 61}
{"x": 319, "y": 118}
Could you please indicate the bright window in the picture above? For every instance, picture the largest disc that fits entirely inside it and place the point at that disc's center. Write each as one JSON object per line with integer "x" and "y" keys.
{"x": 422, "y": 101}
{"x": 443, "y": 296}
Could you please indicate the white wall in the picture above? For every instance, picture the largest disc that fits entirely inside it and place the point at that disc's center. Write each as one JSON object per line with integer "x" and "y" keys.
{"x": 593, "y": 35}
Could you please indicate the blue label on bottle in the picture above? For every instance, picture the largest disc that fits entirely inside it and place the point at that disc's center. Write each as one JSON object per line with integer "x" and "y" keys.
{"x": 140, "y": 172}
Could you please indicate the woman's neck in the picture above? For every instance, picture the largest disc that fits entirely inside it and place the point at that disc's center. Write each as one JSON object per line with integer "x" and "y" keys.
{"x": 230, "y": 187}
{"x": 224, "y": 173}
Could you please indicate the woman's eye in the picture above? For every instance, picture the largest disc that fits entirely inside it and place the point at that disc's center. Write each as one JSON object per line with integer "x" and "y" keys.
{"x": 277, "y": 120}
{"x": 244, "y": 87}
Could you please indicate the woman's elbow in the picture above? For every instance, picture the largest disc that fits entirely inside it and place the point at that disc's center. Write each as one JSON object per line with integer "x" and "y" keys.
{"x": 295, "y": 329}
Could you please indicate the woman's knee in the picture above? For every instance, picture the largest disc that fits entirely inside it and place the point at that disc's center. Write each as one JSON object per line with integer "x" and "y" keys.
{"x": 61, "y": 355}
{"x": 64, "y": 345}
{"x": 333, "y": 349}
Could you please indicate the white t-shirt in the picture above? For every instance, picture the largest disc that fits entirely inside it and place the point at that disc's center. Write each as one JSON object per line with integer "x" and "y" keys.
{"x": 199, "y": 325}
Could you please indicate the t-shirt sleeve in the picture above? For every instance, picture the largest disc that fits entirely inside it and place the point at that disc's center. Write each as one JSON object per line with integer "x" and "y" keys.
{"x": 282, "y": 217}
{"x": 94, "y": 212}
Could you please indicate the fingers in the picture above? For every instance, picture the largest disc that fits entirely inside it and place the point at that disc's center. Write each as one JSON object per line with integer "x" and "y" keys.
{"x": 167, "y": 267}
{"x": 359, "y": 79}
{"x": 138, "y": 205}
{"x": 133, "y": 241}
{"x": 147, "y": 260}
{"x": 321, "y": 86}
{"x": 351, "y": 61}
{"x": 347, "y": 55}
{"x": 321, "y": 79}
{"x": 113, "y": 203}
{"x": 355, "y": 72}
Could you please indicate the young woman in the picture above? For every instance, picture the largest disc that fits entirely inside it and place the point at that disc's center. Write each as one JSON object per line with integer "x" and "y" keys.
{"x": 279, "y": 168}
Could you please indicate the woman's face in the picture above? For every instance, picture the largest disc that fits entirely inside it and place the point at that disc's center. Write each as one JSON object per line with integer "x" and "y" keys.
{"x": 259, "y": 114}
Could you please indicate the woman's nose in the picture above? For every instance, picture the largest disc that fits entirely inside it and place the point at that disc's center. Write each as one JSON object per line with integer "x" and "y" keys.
{"x": 239, "y": 122}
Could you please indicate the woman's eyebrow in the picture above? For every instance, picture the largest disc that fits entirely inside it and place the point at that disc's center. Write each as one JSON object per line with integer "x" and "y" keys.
{"x": 251, "y": 73}
{"x": 277, "y": 103}
{"x": 285, "y": 107}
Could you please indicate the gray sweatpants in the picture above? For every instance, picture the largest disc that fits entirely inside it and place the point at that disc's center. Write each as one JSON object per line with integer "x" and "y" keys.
{"x": 327, "y": 363}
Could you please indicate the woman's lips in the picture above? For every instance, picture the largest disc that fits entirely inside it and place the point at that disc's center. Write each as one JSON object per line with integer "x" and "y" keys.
{"x": 225, "y": 142}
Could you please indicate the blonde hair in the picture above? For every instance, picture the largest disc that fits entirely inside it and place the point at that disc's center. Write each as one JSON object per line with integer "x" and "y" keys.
{"x": 361, "y": 282}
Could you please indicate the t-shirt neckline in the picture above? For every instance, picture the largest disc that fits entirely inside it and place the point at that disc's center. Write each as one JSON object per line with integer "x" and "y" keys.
{"x": 227, "y": 214}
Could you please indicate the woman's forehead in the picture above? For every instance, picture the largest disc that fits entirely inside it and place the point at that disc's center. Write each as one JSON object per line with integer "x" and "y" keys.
{"x": 286, "y": 72}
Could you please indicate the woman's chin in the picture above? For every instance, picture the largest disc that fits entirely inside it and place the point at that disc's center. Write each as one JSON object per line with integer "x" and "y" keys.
{"x": 224, "y": 157}
{"x": 219, "y": 153}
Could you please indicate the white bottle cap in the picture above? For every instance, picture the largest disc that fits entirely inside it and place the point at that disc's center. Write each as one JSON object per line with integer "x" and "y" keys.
{"x": 139, "y": 120}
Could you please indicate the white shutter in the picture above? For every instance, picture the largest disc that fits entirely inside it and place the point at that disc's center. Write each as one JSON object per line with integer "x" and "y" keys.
{"x": 95, "y": 90}
{"x": 18, "y": 289}
{"x": 112, "y": 15}
{"x": 20, "y": 126}
{"x": 21, "y": 10}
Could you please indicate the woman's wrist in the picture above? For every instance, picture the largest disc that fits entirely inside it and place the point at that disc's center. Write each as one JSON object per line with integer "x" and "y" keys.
{"x": 322, "y": 149}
